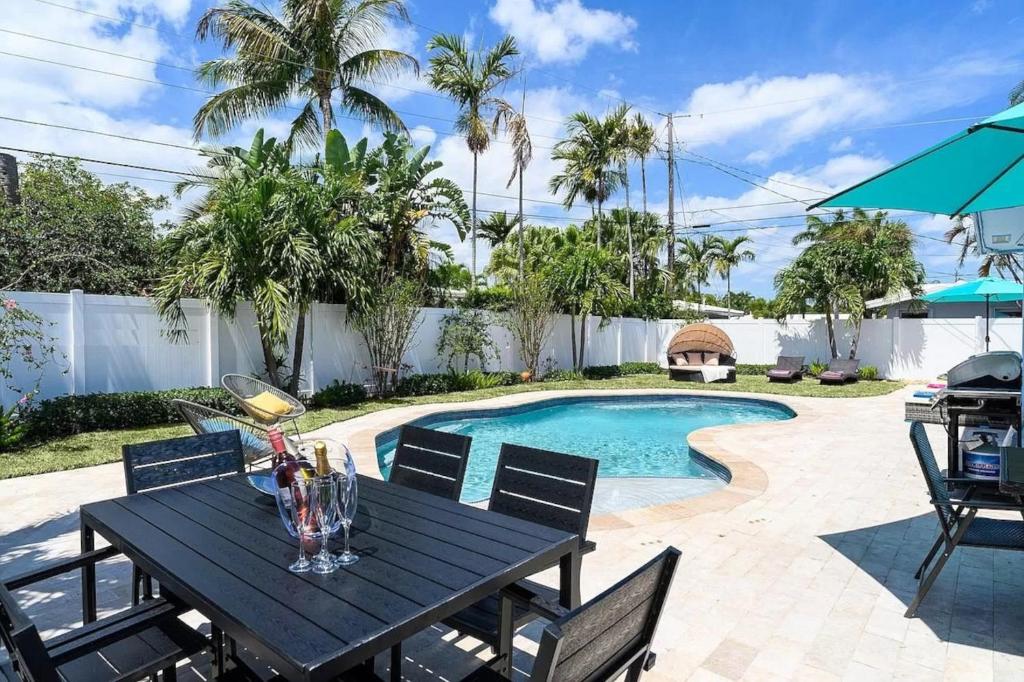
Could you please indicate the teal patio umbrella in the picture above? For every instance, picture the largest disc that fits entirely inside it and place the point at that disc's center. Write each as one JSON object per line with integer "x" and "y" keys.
{"x": 985, "y": 289}
{"x": 979, "y": 169}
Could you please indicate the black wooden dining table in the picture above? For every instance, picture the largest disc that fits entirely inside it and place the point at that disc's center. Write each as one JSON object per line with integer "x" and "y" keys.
{"x": 220, "y": 547}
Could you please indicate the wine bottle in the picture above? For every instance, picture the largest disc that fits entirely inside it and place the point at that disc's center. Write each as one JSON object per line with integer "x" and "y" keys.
{"x": 287, "y": 468}
{"x": 323, "y": 466}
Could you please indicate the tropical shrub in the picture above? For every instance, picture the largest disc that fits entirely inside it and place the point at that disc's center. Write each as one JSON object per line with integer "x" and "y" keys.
{"x": 753, "y": 370}
{"x": 868, "y": 373}
{"x": 817, "y": 367}
{"x": 25, "y": 347}
{"x": 71, "y": 414}
{"x": 562, "y": 375}
{"x": 625, "y": 369}
{"x": 387, "y": 322}
{"x": 465, "y": 334}
{"x": 531, "y": 319}
{"x": 450, "y": 382}
{"x": 339, "y": 394}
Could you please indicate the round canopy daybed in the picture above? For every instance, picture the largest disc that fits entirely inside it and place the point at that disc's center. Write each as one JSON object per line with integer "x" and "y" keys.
{"x": 701, "y": 352}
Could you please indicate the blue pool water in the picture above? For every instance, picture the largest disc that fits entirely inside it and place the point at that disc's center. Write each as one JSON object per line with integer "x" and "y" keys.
{"x": 632, "y": 436}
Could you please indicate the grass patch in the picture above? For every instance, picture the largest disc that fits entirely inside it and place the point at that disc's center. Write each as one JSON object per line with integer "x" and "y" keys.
{"x": 100, "y": 447}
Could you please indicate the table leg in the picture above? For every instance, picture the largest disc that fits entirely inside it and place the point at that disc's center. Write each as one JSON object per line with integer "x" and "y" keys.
{"x": 396, "y": 663}
{"x": 88, "y": 575}
{"x": 505, "y": 635}
{"x": 569, "y": 580}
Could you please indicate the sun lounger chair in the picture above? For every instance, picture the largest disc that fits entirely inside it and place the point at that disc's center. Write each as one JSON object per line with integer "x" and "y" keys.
{"x": 959, "y": 524}
{"x": 840, "y": 371}
{"x": 787, "y": 368}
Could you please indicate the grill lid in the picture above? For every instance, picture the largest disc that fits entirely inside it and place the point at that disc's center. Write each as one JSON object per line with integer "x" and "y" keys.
{"x": 999, "y": 369}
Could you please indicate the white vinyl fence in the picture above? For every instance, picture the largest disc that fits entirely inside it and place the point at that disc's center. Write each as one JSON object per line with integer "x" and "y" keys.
{"x": 115, "y": 343}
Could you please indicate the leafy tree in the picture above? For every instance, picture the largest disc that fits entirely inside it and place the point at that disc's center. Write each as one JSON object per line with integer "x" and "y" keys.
{"x": 850, "y": 260}
{"x": 531, "y": 319}
{"x": 445, "y": 278}
{"x": 538, "y": 248}
{"x": 25, "y": 350}
{"x": 70, "y": 231}
{"x": 581, "y": 281}
{"x": 272, "y": 234}
{"x": 522, "y": 154}
{"x": 591, "y": 153}
{"x": 695, "y": 260}
{"x": 465, "y": 333}
{"x": 316, "y": 52}
{"x": 642, "y": 140}
{"x": 470, "y": 78}
{"x": 496, "y": 227}
{"x": 728, "y": 254}
{"x": 388, "y": 319}
{"x": 402, "y": 199}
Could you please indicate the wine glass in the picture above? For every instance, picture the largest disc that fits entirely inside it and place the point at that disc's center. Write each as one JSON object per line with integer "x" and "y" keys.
{"x": 348, "y": 498}
{"x": 325, "y": 504}
{"x": 302, "y": 516}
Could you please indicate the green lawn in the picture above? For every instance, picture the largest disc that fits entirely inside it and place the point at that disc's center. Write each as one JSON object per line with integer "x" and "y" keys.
{"x": 99, "y": 447}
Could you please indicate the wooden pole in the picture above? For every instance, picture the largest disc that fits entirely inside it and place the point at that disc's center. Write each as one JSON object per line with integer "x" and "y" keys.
{"x": 671, "y": 204}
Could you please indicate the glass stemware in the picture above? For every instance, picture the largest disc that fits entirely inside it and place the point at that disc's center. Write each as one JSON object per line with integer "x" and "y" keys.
{"x": 302, "y": 516}
{"x": 348, "y": 498}
{"x": 325, "y": 504}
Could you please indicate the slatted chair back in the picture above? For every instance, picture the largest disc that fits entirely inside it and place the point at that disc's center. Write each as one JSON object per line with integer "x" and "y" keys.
{"x": 174, "y": 461}
{"x": 243, "y": 387}
{"x": 610, "y": 634}
{"x": 22, "y": 641}
{"x": 431, "y": 461}
{"x": 790, "y": 363}
{"x": 203, "y": 419}
{"x": 844, "y": 365}
{"x": 932, "y": 475}
{"x": 550, "y": 488}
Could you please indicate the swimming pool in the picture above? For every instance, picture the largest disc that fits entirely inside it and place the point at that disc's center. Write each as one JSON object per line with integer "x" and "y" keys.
{"x": 632, "y": 436}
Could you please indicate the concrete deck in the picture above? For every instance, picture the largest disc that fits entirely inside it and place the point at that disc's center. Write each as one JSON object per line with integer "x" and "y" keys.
{"x": 799, "y": 569}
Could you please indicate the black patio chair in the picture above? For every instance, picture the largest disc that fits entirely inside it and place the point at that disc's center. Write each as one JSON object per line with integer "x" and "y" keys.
{"x": 549, "y": 488}
{"x": 959, "y": 524}
{"x": 787, "y": 368}
{"x": 431, "y": 461}
{"x": 141, "y": 642}
{"x": 163, "y": 463}
{"x": 840, "y": 371}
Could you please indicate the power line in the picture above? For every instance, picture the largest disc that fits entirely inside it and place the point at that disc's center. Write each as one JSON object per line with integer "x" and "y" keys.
{"x": 756, "y": 175}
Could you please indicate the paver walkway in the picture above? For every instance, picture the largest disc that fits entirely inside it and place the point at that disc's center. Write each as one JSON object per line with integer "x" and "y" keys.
{"x": 800, "y": 571}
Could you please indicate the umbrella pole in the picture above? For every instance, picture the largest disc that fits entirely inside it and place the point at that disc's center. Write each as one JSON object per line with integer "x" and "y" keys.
{"x": 986, "y": 322}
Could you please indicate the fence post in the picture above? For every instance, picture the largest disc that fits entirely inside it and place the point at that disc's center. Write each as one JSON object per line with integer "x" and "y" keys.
{"x": 212, "y": 347}
{"x": 76, "y": 312}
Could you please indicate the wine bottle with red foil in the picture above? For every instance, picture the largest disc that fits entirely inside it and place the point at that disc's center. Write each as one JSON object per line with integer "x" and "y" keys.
{"x": 287, "y": 468}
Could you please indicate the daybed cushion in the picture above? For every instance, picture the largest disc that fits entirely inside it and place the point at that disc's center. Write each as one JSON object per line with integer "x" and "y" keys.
{"x": 694, "y": 358}
{"x": 679, "y": 361}
{"x": 711, "y": 359}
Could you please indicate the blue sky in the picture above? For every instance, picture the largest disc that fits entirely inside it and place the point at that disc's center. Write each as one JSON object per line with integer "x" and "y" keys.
{"x": 795, "y": 98}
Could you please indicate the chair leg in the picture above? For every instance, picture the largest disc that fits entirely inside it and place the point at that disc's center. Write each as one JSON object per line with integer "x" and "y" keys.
{"x": 217, "y": 638}
{"x": 950, "y": 544}
{"x": 170, "y": 674}
{"x": 505, "y": 635}
{"x": 928, "y": 557}
{"x": 136, "y": 584}
{"x": 396, "y": 663}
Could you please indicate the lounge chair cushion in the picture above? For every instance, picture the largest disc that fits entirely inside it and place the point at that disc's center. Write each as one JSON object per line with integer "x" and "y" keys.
{"x": 711, "y": 359}
{"x": 694, "y": 358}
{"x": 679, "y": 361}
{"x": 269, "y": 403}
{"x": 783, "y": 373}
{"x": 832, "y": 375}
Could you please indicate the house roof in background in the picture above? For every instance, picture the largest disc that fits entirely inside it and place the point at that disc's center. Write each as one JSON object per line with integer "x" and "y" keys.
{"x": 904, "y": 295}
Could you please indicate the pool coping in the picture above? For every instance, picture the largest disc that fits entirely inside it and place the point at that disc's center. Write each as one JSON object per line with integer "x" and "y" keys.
{"x": 747, "y": 480}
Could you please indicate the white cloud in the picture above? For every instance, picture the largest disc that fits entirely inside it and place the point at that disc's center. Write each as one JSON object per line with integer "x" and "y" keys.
{"x": 842, "y": 145}
{"x": 423, "y": 135}
{"x": 771, "y": 115}
{"x": 565, "y": 30}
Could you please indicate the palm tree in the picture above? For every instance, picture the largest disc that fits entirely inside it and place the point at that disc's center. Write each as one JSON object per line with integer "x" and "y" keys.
{"x": 1017, "y": 94}
{"x": 522, "y": 154}
{"x": 581, "y": 279}
{"x": 728, "y": 254}
{"x": 496, "y": 227}
{"x": 470, "y": 79}
{"x": 591, "y": 153}
{"x": 695, "y": 261}
{"x": 962, "y": 233}
{"x": 642, "y": 140}
{"x": 315, "y": 52}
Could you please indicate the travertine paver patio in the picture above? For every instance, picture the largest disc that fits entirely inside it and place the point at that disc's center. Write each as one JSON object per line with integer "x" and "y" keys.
{"x": 801, "y": 569}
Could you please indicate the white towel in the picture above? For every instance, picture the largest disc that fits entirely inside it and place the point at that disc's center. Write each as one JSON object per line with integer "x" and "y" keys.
{"x": 714, "y": 372}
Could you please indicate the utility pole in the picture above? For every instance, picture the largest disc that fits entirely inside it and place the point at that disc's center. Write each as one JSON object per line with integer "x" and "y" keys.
{"x": 671, "y": 203}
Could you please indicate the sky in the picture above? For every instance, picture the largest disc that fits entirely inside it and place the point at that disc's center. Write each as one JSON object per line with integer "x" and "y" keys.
{"x": 774, "y": 104}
